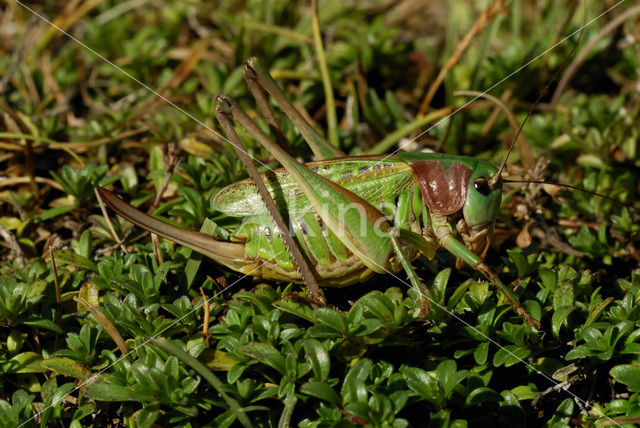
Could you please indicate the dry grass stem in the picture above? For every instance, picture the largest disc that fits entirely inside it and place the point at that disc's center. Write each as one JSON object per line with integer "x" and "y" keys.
{"x": 492, "y": 10}
{"x": 526, "y": 155}
{"x": 584, "y": 52}
{"x": 106, "y": 323}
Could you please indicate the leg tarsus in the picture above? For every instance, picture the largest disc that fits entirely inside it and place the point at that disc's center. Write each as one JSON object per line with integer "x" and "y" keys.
{"x": 311, "y": 300}
{"x": 508, "y": 295}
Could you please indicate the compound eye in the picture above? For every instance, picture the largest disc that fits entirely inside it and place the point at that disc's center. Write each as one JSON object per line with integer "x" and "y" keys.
{"x": 481, "y": 185}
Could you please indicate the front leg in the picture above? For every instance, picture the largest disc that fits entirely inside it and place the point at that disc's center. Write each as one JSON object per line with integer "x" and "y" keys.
{"x": 479, "y": 242}
{"x": 444, "y": 232}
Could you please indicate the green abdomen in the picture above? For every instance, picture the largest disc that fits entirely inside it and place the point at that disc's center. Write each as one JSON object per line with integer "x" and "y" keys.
{"x": 387, "y": 184}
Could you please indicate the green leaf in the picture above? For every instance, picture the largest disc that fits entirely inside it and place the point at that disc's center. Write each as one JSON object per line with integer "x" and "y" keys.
{"x": 266, "y": 354}
{"x": 510, "y": 355}
{"x": 482, "y": 394}
{"x": 448, "y": 375}
{"x": 217, "y": 359}
{"x": 26, "y": 362}
{"x": 320, "y": 390}
{"x": 15, "y": 340}
{"x": 55, "y": 212}
{"x": 66, "y": 366}
{"x": 89, "y": 292}
{"x": 146, "y": 416}
{"x": 235, "y": 372}
{"x": 421, "y": 382}
{"x": 457, "y": 295}
{"x": 559, "y": 317}
{"x": 36, "y": 288}
{"x": 394, "y": 108}
{"x": 101, "y": 388}
{"x": 582, "y": 351}
{"x": 36, "y": 321}
{"x": 81, "y": 413}
{"x": 319, "y": 358}
{"x": 563, "y": 295}
{"x": 379, "y": 305}
{"x": 68, "y": 257}
{"x": 627, "y": 374}
{"x": 597, "y": 310}
{"x": 330, "y": 318}
{"x": 353, "y": 387}
{"x": 440, "y": 285}
{"x": 295, "y": 307}
{"x": 549, "y": 278}
{"x": 156, "y": 166}
{"x": 481, "y": 353}
{"x": 562, "y": 415}
{"x": 524, "y": 264}
{"x": 82, "y": 247}
{"x": 525, "y": 392}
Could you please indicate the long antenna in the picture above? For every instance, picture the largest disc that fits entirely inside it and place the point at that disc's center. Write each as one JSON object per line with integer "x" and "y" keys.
{"x": 569, "y": 186}
{"x": 493, "y": 182}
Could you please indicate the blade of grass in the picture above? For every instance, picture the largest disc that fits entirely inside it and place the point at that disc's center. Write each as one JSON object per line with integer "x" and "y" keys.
{"x": 391, "y": 139}
{"x": 277, "y": 30}
{"x": 186, "y": 358}
{"x": 332, "y": 118}
{"x": 522, "y": 141}
{"x": 584, "y": 52}
{"x": 108, "y": 220}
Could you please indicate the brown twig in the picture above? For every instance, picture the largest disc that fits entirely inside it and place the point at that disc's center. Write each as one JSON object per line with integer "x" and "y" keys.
{"x": 157, "y": 252}
{"x": 105, "y": 214}
{"x": 584, "y": 53}
{"x": 220, "y": 283}
{"x": 170, "y": 163}
{"x": 577, "y": 224}
{"x": 492, "y": 10}
{"x": 523, "y": 144}
{"x": 493, "y": 116}
{"x": 564, "y": 386}
{"x": 106, "y": 323}
{"x": 205, "y": 321}
{"x": 14, "y": 181}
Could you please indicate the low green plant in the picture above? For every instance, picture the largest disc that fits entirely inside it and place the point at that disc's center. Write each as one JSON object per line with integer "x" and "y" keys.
{"x": 265, "y": 357}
